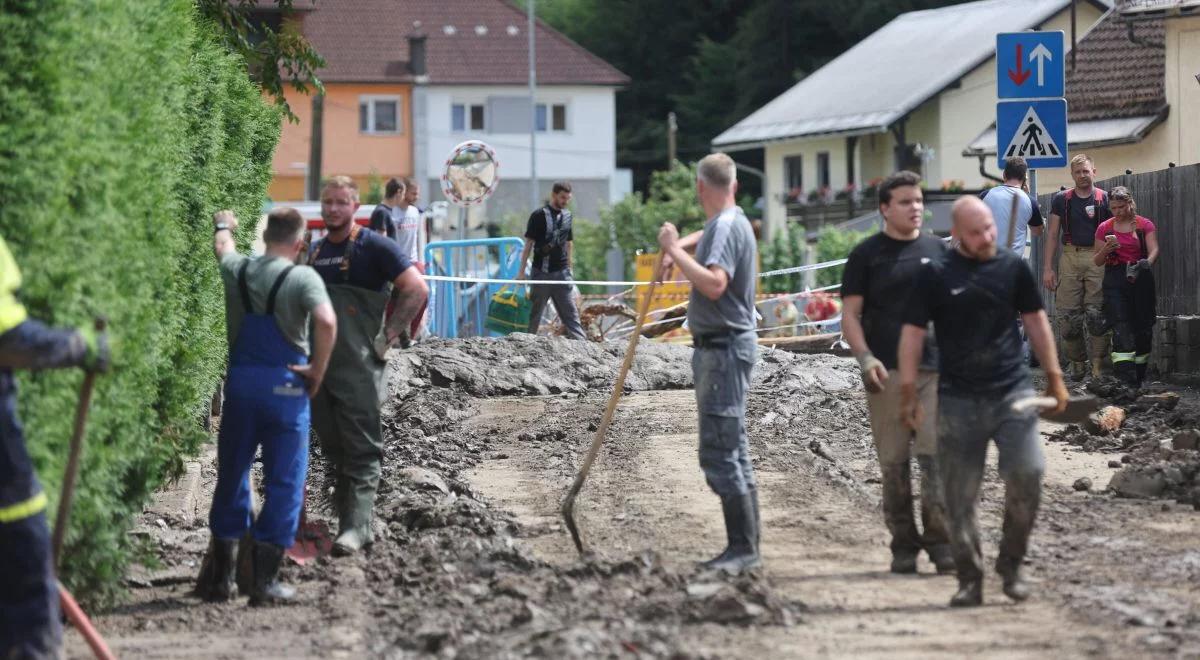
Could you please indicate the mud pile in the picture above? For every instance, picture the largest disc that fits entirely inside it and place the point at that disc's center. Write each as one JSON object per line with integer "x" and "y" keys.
{"x": 1159, "y": 446}
{"x": 446, "y": 575}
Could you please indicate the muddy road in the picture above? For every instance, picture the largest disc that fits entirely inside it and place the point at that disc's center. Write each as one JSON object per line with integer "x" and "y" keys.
{"x": 472, "y": 559}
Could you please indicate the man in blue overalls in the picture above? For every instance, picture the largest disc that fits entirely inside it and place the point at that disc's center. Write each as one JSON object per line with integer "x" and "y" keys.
{"x": 269, "y": 301}
{"x": 29, "y": 616}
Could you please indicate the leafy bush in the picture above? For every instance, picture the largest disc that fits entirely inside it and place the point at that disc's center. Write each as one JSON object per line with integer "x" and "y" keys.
{"x": 835, "y": 244}
{"x": 124, "y": 125}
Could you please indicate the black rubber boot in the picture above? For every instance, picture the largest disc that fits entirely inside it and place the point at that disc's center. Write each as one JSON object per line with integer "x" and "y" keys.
{"x": 741, "y": 534}
{"x": 969, "y": 594}
{"x": 898, "y": 514}
{"x": 267, "y": 589}
{"x": 216, "y": 582}
{"x": 245, "y": 564}
{"x": 935, "y": 522}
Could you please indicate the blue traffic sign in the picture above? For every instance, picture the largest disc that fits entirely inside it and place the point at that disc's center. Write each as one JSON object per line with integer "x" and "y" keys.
{"x": 1033, "y": 130}
{"x": 1029, "y": 65}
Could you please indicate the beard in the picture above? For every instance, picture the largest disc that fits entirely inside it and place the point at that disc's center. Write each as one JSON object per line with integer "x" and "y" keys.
{"x": 981, "y": 254}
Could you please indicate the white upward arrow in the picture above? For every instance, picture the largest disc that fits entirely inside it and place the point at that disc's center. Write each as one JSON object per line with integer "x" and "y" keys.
{"x": 1041, "y": 54}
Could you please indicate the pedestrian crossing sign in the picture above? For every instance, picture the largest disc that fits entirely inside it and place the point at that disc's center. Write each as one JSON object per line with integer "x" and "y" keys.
{"x": 1033, "y": 130}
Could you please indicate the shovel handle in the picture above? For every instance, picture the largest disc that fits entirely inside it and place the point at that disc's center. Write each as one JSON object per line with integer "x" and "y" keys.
{"x": 1038, "y": 402}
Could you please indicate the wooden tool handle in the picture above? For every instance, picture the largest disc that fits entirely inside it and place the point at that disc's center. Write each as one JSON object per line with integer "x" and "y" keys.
{"x": 1038, "y": 402}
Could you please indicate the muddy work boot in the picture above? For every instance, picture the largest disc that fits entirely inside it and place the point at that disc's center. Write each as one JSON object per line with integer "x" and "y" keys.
{"x": 741, "y": 535}
{"x": 898, "y": 514}
{"x": 1078, "y": 371}
{"x": 1015, "y": 585}
{"x": 942, "y": 558}
{"x": 216, "y": 583}
{"x": 267, "y": 589}
{"x": 348, "y": 543}
{"x": 969, "y": 594}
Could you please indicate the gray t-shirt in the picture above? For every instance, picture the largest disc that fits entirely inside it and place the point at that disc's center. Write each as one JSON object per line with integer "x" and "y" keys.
{"x": 728, "y": 242}
{"x": 1000, "y": 201}
{"x": 302, "y": 292}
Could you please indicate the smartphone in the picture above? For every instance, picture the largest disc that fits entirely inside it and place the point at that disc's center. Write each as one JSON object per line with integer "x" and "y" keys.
{"x": 1111, "y": 238}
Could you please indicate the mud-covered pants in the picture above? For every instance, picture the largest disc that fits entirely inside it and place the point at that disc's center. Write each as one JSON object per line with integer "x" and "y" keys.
{"x": 1129, "y": 308}
{"x": 1079, "y": 305}
{"x": 563, "y": 297}
{"x": 896, "y": 444}
{"x": 965, "y": 425}
{"x": 29, "y": 619}
{"x": 721, "y": 368}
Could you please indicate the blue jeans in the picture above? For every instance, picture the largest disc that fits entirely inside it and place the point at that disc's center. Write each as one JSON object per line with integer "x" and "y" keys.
{"x": 965, "y": 425}
{"x": 722, "y": 375}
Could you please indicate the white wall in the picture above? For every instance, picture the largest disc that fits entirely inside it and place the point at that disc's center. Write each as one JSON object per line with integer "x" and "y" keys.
{"x": 586, "y": 150}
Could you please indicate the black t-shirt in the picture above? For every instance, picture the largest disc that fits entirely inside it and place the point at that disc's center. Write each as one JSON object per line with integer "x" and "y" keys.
{"x": 974, "y": 307}
{"x": 381, "y": 221}
{"x": 883, "y": 271}
{"x": 550, "y": 244}
{"x": 374, "y": 262}
{"x": 1079, "y": 228}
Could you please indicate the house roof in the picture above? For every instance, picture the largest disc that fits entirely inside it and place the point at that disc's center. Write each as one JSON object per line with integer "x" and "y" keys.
{"x": 1116, "y": 93}
{"x": 469, "y": 42}
{"x": 890, "y": 73}
{"x": 1158, "y": 7}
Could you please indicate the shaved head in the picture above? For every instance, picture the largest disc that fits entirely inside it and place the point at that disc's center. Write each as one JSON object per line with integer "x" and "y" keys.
{"x": 974, "y": 228}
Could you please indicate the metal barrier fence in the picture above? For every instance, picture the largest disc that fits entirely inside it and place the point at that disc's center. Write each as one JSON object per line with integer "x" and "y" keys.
{"x": 459, "y": 309}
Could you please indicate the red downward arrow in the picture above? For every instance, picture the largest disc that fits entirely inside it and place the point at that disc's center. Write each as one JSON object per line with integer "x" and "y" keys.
{"x": 1020, "y": 75}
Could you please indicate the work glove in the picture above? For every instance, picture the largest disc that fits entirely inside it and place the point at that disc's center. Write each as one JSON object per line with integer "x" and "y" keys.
{"x": 874, "y": 374}
{"x": 911, "y": 412}
{"x": 1057, "y": 389}
{"x": 96, "y": 355}
{"x": 1143, "y": 264}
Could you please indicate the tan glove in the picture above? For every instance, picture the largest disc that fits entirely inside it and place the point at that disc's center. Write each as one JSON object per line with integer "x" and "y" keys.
{"x": 911, "y": 412}
{"x": 874, "y": 374}
{"x": 1056, "y": 389}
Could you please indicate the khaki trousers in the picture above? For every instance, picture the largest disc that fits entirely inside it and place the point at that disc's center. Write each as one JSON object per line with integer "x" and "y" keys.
{"x": 894, "y": 441}
{"x": 1079, "y": 305}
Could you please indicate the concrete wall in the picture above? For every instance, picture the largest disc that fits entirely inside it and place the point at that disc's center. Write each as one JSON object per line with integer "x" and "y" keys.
{"x": 345, "y": 150}
{"x": 1176, "y": 352}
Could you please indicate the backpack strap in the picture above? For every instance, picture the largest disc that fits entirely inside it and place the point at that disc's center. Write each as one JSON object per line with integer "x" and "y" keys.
{"x": 1012, "y": 216}
{"x": 243, "y": 288}
{"x": 275, "y": 290}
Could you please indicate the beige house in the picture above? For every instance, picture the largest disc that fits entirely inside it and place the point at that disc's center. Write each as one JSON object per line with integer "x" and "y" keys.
{"x": 1134, "y": 95}
{"x": 912, "y": 95}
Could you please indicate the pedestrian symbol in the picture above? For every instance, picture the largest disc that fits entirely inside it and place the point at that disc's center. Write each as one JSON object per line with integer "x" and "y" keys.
{"x": 1032, "y": 140}
{"x": 1033, "y": 130}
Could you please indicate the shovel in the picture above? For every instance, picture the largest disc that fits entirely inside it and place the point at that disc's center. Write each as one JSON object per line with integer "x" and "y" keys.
{"x": 1078, "y": 408}
{"x": 312, "y": 537}
{"x": 568, "y": 507}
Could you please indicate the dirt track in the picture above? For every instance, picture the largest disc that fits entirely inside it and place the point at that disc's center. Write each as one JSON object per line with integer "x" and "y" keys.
{"x": 485, "y": 569}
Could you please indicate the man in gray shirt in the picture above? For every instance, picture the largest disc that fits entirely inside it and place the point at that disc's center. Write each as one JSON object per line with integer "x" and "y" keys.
{"x": 721, "y": 318}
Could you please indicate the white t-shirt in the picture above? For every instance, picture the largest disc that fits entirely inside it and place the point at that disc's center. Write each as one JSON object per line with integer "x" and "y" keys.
{"x": 410, "y": 232}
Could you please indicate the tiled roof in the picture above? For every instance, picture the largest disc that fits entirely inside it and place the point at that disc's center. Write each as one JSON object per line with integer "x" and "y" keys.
{"x": 469, "y": 42}
{"x": 1114, "y": 77}
{"x": 1158, "y": 6}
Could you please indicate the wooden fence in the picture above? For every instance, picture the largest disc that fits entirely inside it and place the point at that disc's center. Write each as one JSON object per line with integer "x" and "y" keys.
{"x": 1170, "y": 198}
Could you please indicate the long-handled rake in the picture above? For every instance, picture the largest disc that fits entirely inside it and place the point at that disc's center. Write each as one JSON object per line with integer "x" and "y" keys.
{"x": 568, "y": 507}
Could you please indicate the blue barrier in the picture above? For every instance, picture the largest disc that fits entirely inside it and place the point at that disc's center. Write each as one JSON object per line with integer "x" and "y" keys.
{"x": 459, "y": 309}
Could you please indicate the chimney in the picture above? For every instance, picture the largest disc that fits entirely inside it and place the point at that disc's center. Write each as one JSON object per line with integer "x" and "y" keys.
{"x": 416, "y": 50}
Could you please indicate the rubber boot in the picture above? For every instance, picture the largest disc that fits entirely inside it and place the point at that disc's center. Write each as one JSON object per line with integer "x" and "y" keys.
{"x": 348, "y": 542}
{"x": 245, "y": 564}
{"x": 969, "y": 594}
{"x": 267, "y": 589}
{"x": 757, "y": 522}
{"x": 935, "y": 522}
{"x": 216, "y": 583}
{"x": 741, "y": 534}
{"x": 898, "y": 514}
{"x": 1021, "y": 497}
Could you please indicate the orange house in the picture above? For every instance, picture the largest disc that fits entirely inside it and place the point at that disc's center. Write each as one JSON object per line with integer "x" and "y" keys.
{"x": 366, "y": 116}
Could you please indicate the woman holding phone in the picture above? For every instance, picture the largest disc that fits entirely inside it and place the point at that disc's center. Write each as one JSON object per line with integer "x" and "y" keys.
{"x": 1127, "y": 246}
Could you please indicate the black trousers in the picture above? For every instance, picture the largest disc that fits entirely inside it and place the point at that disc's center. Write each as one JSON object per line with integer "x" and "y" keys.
{"x": 1129, "y": 309}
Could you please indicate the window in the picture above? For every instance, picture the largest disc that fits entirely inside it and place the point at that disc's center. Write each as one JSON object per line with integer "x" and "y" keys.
{"x": 793, "y": 174}
{"x": 555, "y": 115}
{"x": 823, "y": 169}
{"x": 379, "y": 114}
{"x": 461, "y": 112}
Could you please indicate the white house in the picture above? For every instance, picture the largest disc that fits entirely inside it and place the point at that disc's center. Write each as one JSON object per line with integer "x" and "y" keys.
{"x": 912, "y": 95}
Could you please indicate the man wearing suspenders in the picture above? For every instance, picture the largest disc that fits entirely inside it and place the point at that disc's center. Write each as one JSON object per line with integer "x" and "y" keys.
{"x": 268, "y": 303}
{"x": 550, "y": 238}
{"x": 361, "y": 269}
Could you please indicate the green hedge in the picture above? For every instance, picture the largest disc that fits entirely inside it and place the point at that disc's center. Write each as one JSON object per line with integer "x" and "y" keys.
{"x": 123, "y": 126}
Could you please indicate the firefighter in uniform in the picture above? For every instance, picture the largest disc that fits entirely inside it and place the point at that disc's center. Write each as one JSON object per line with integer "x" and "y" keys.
{"x": 29, "y": 615}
